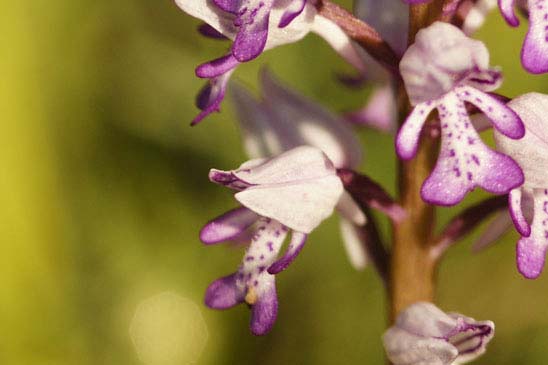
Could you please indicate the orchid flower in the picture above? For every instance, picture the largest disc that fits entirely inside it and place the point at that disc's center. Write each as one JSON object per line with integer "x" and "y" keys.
{"x": 390, "y": 19}
{"x": 294, "y": 191}
{"x": 282, "y": 120}
{"x": 534, "y": 54}
{"x": 529, "y": 203}
{"x": 256, "y": 26}
{"x": 442, "y": 70}
{"x": 425, "y": 335}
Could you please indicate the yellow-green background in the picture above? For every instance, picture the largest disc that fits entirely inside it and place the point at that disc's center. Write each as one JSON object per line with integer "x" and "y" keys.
{"x": 103, "y": 188}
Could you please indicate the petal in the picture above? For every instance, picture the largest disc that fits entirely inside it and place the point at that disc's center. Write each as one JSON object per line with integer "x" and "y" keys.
{"x": 228, "y": 226}
{"x": 230, "y": 6}
{"x": 407, "y": 140}
{"x": 300, "y": 206}
{"x": 507, "y": 10}
{"x": 338, "y": 40}
{"x": 228, "y": 179}
{"x": 259, "y": 286}
{"x": 296, "y": 30}
{"x": 264, "y": 312}
{"x": 516, "y": 213}
{"x": 465, "y": 162}
{"x": 253, "y": 19}
{"x": 404, "y": 348}
{"x": 259, "y": 134}
{"x": 534, "y": 54}
{"x": 299, "y": 121}
{"x": 426, "y": 320}
{"x": 350, "y": 210}
{"x": 379, "y": 112}
{"x": 211, "y": 97}
{"x": 210, "y": 14}
{"x": 440, "y": 59}
{"x": 530, "y": 152}
{"x": 301, "y": 163}
{"x": 218, "y": 67}
{"x": 293, "y": 10}
{"x": 504, "y": 119}
{"x": 471, "y": 338}
{"x": 223, "y": 293}
{"x": 531, "y": 251}
{"x": 493, "y": 232}
{"x": 352, "y": 240}
{"x": 484, "y": 80}
{"x": 298, "y": 240}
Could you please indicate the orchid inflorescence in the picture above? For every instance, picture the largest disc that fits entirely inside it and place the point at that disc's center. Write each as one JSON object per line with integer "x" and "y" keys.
{"x": 433, "y": 85}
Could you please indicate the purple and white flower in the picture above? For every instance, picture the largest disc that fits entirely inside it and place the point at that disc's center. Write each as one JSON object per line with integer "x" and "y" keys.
{"x": 295, "y": 192}
{"x": 443, "y": 70}
{"x": 390, "y": 18}
{"x": 284, "y": 119}
{"x": 425, "y": 335}
{"x": 534, "y": 54}
{"x": 529, "y": 203}
{"x": 256, "y": 26}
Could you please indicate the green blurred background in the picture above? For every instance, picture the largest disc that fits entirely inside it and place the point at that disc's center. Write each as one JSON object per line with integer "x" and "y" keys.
{"x": 103, "y": 189}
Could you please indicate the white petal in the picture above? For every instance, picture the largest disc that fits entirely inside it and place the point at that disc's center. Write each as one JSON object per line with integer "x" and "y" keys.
{"x": 353, "y": 245}
{"x": 300, "y": 121}
{"x": 260, "y": 139}
{"x": 434, "y": 64}
{"x": 404, "y": 348}
{"x": 295, "y": 31}
{"x": 301, "y": 206}
{"x": 298, "y": 164}
{"x": 206, "y": 11}
{"x": 338, "y": 40}
{"x": 425, "y": 319}
{"x": 350, "y": 210}
{"x": 531, "y": 151}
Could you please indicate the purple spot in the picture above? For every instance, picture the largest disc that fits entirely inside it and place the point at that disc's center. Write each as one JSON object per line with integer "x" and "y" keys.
{"x": 476, "y": 159}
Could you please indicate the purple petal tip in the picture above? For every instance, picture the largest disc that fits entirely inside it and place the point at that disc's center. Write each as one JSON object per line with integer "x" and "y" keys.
{"x": 530, "y": 258}
{"x": 223, "y": 293}
{"x": 264, "y": 313}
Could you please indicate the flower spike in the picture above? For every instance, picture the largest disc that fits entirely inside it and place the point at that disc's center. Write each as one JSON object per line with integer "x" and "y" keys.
{"x": 442, "y": 70}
